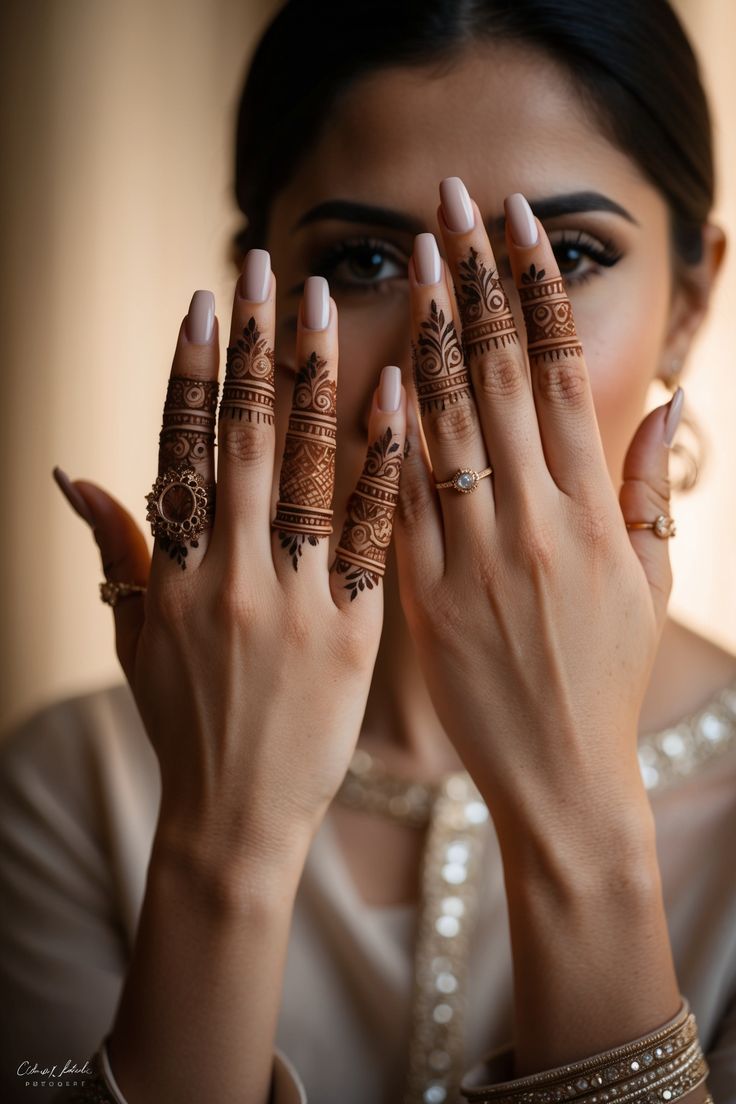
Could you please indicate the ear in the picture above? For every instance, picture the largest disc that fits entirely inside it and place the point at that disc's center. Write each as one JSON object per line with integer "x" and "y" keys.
{"x": 692, "y": 290}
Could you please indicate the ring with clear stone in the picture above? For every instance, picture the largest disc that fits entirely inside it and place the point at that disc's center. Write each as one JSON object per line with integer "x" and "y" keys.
{"x": 662, "y": 526}
{"x": 465, "y": 480}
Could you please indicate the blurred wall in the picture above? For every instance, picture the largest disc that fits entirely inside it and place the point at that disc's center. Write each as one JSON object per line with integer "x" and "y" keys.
{"x": 115, "y": 206}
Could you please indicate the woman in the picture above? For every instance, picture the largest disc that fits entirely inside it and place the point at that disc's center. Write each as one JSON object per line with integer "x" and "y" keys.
{"x": 380, "y": 932}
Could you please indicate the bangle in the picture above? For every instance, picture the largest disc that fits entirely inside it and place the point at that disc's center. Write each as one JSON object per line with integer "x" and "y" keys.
{"x": 101, "y": 1088}
{"x": 655, "y": 1069}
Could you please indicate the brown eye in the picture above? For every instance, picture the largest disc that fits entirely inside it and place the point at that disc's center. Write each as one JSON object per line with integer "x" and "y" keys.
{"x": 366, "y": 263}
{"x": 360, "y": 264}
{"x": 580, "y": 256}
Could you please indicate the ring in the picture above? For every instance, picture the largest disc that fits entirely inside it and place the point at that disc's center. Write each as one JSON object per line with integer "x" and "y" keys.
{"x": 663, "y": 526}
{"x": 180, "y": 507}
{"x": 112, "y": 593}
{"x": 465, "y": 480}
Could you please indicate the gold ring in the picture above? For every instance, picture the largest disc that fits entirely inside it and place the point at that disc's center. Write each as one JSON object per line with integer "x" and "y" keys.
{"x": 465, "y": 480}
{"x": 663, "y": 526}
{"x": 111, "y": 593}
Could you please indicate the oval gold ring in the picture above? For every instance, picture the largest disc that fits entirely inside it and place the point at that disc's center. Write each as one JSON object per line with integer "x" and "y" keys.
{"x": 465, "y": 480}
{"x": 663, "y": 526}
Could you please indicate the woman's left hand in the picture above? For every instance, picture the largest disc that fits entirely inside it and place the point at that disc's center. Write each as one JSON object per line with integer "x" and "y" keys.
{"x": 536, "y": 613}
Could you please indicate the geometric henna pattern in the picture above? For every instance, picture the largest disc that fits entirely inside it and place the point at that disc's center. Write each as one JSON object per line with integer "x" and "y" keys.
{"x": 248, "y": 391}
{"x": 363, "y": 547}
{"x": 188, "y": 430}
{"x": 484, "y": 308}
{"x": 548, "y": 316}
{"x": 440, "y": 375}
{"x": 306, "y": 484}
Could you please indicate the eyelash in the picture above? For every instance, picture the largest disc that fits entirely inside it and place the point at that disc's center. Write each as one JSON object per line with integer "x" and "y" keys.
{"x": 603, "y": 253}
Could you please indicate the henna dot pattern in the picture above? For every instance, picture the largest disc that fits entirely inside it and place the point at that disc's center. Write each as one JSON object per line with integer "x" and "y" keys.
{"x": 440, "y": 375}
{"x": 362, "y": 551}
{"x": 484, "y": 308}
{"x": 304, "y": 506}
{"x": 249, "y": 389}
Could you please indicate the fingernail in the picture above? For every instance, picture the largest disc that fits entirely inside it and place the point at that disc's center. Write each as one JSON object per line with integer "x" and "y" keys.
{"x": 255, "y": 279}
{"x": 674, "y": 413}
{"x": 200, "y": 322}
{"x": 427, "y": 264}
{"x": 521, "y": 221}
{"x": 316, "y": 303}
{"x": 456, "y": 205}
{"x": 73, "y": 497}
{"x": 389, "y": 389}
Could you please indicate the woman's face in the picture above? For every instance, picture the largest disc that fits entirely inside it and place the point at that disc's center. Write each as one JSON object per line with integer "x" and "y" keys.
{"x": 504, "y": 119}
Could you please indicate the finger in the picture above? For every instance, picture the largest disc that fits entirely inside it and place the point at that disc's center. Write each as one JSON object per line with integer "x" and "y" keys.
{"x": 493, "y": 352}
{"x": 645, "y": 496}
{"x": 362, "y": 551}
{"x": 303, "y": 519}
{"x": 418, "y": 526}
{"x": 124, "y": 552}
{"x": 181, "y": 503}
{"x": 563, "y": 398}
{"x": 446, "y": 402}
{"x": 246, "y": 434}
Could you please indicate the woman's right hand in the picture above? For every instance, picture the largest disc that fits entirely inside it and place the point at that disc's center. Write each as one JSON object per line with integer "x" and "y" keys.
{"x": 250, "y": 658}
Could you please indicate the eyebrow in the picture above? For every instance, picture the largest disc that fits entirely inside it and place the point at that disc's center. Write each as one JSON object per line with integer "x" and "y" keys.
{"x": 550, "y": 207}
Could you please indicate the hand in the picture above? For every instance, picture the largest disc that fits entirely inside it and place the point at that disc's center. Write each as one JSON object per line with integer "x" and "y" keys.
{"x": 249, "y": 658}
{"x": 535, "y": 612}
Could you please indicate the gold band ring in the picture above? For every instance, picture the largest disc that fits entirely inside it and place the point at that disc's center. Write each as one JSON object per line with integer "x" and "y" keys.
{"x": 112, "y": 593}
{"x": 663, "y": 526}
{"x": 465, "y": 480}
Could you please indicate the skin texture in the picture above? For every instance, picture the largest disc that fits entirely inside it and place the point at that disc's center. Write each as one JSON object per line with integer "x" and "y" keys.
{"x": 393, "y": 137}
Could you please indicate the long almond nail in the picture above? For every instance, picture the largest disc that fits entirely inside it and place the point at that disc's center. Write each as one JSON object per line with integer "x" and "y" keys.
{"x": 200, "y": 323}
{"x": 73, "y": 497}
{"x": 255, "y": 280}
{"x": 456, "y": 206}
{"x": 389, "y": 389}
{"x": 520, "y": 216}
{"x": 674, "y": 414}
{"x": 427, "y": 265}
{"x": 316, "y": 303}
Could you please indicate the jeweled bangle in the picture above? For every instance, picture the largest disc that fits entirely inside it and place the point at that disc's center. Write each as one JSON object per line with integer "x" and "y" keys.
{"x": 101, "y": 1088}
{"x": 670, "y": 1054}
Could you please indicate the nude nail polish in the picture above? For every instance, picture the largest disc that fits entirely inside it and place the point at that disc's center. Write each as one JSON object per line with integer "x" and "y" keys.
{"x": 72, "y": 495}
{"x": 520, "y": 217}
{"x": 427, "y": 266}
{"x": 456, "y": 206}
{"x": 674, "y": 414}
{"x": 200, "y": 322}
{"x": 389, "y": 389}
{"x": 316, "y": 306}
{"x": 255, "y": 279}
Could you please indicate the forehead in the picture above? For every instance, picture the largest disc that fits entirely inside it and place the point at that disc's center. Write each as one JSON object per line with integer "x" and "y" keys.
{"x": 502, "y": 117}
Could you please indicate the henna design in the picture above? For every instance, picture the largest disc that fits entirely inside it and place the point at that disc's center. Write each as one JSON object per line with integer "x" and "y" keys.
{"x": 249, "y": 390}
{"x": 440, "y": 375}
{"x": 362, "y": 550}
{"x": 188, "y": 430}
{"x": 304, "y": 506}
{"x": 484, "y": 308}
{"x": 548, "y": 316}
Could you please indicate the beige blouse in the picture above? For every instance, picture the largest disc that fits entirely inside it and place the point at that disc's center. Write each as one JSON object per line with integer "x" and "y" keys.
{"x": 79, "y": 791}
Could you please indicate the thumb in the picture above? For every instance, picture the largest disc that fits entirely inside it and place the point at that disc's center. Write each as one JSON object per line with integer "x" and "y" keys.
{"x": 124, "y": 552}
{"x": 645, "y": 495}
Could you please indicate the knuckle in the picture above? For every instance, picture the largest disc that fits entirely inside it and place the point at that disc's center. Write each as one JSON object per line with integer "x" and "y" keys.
{"x": 456, "y": 424}
{"x": 415, "y": 500}
{"x": 562, "y": 381}
{"x": 244, "y": 442}
{"x": 537, "y": 544}
{"x": 594, "y": 528}
{"x": 297, "y": 628}
{"x": 498, "y": 377}
{"x": 233, "y": 601}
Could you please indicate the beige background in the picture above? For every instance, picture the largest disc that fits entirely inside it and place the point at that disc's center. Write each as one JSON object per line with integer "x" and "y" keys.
{"x": 116, "y": 204}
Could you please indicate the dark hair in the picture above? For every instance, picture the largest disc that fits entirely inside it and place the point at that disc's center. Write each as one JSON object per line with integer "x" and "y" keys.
{"x": 631, "y": 59}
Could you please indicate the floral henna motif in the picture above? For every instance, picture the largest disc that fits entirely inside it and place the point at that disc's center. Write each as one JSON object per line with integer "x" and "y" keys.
{"x": 363, "y": 547}
{"x": 484, "y": 308}
{"x": 249, "y": 391}
{"x": 548, "y": 316}
{"x": 440, "y": 375}
{"x": 188, "y": 430}
{"x": 304, "y": 506}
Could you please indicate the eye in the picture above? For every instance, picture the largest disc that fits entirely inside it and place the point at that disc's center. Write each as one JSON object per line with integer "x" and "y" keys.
{"x": 360, "y": 264}
{"x": 581, "y": 256}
